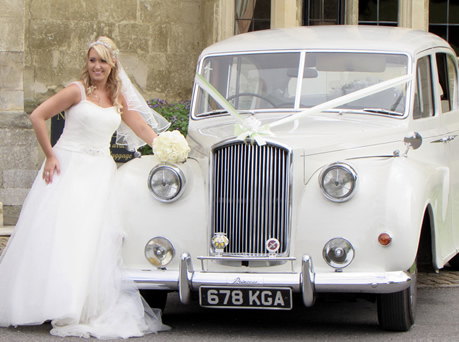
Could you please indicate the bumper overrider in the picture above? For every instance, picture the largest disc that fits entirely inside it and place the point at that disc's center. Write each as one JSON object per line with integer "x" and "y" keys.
{"x": 306, "y": 282}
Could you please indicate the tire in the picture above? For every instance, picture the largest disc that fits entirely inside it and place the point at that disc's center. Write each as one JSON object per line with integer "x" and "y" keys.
{"x": 454, "y": 263}
{"x": 155, "y": 298}
{"x": 397, "y": 311}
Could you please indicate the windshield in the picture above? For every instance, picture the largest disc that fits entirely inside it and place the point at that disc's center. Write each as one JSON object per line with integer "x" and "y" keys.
{"x": 274, "y": 81}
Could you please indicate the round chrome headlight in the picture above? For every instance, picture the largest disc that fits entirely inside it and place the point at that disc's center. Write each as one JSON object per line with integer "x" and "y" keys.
{"x": 166, "y": 182}
{"x": 338, "y": 253}
{"x": 338, "y": 182}
{"x": 159, "y": 251}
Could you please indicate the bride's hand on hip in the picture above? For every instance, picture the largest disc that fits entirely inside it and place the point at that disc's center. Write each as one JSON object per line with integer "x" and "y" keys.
{"x": 51, "y": 166}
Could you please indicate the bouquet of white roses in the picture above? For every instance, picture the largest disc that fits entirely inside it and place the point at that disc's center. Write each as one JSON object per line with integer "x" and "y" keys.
{"x": 171, "y": 147}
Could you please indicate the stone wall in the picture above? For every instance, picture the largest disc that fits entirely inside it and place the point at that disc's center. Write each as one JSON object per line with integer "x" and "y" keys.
{"x": 159, "y": 42}
{"x": 18, "y": 151}
{"x": 42, "y": 49}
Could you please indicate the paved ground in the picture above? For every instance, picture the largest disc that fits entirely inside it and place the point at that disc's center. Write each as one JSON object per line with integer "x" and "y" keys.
{"x": 445, "y": 278}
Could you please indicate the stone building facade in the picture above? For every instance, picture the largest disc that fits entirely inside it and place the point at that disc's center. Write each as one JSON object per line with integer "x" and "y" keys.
{"x": 43, "y": 43}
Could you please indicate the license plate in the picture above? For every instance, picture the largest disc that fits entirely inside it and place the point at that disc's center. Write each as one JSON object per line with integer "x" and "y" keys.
{"x": 246, "y": 297}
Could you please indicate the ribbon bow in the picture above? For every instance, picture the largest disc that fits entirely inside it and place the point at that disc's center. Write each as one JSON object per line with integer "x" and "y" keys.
{"x": 244, "y": 128}
{"x": 252, "y": 129}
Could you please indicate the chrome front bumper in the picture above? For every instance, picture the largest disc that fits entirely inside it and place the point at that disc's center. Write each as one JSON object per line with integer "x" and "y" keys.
{"x": 187, "y": 281}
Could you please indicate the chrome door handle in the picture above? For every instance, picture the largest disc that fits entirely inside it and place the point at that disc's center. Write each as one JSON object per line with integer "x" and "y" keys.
{"x": 445, "y": 139}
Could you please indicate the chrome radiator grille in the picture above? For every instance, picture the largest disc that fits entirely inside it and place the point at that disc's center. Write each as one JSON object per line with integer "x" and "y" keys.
{"x": 250, "y": 196}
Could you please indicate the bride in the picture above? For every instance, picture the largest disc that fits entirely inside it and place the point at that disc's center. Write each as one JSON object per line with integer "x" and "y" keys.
{"x": 62, "y": 263}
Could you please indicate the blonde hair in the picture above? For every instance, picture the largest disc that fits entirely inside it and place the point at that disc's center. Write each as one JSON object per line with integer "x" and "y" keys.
{"x": 107, "y": 50}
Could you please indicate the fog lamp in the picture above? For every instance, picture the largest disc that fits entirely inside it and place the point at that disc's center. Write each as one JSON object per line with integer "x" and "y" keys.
{"x": 338, "y": 253}
{"x": 159, "y": 251}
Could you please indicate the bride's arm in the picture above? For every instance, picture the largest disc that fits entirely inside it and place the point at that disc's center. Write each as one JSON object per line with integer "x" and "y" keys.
{"x": 137, "y": 124}
{"x": 51, "y": 107}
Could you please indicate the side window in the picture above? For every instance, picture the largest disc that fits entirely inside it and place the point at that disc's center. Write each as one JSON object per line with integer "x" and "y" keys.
{"x": 447, "y": 78}
{"x": 423, "y": 99}
{"x": 452, "y": 81}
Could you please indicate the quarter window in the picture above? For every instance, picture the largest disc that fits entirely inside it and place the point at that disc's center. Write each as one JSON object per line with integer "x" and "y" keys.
{"x": 423, "y": 99}
{"x": 447, "y": 78}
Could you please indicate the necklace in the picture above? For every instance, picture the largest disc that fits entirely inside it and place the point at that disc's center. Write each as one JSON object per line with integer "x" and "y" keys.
{"x": 95, "y": 97}
{"x": 91, "y": 91}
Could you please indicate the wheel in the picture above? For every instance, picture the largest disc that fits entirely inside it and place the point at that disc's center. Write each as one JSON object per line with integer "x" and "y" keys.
{"x": 454, "y": 263}
{"x": 397, "y": 311}
{"x": 155, "y": 298}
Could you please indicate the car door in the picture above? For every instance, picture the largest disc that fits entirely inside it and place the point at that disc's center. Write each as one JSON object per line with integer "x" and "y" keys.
{"x": 447, "y": 94}
{"x": 433, "y": 154}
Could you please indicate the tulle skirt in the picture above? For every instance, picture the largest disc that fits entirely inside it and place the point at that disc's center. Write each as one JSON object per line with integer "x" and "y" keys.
{"x": 62, "y": 263}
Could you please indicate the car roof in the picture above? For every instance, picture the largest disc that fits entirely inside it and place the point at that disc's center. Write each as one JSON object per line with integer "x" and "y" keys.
{"x": 331, "y": 37}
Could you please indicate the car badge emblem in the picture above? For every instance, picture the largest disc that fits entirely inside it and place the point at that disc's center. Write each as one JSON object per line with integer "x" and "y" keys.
{"x": 219, "y": 241}
{"x": 272, "y": 245}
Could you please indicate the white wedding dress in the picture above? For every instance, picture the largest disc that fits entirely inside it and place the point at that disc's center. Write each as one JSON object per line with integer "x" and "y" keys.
{"x": 62, "y": 263}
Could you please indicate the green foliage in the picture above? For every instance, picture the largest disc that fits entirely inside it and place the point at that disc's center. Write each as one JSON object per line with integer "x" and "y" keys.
{"x": 177, "y": 113}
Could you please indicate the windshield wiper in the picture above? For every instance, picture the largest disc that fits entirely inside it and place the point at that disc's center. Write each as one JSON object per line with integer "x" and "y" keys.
{"x": 382, "y": 111}
{"x": 212, "y": 112}
{"x": 224, "y": 111}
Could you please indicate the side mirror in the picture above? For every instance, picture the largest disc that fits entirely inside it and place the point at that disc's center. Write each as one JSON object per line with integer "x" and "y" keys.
{"x": 413, "y": 141}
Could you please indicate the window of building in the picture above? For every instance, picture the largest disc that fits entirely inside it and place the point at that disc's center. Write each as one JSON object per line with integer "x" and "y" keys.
{"x": 378, "y": 12}
{"x": 444, "y": 20}
{"x": 323, "y": 12}
{"x": 252, "y": 15}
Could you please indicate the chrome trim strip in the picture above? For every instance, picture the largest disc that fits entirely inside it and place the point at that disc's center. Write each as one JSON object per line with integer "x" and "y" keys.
{"x": 299, "y": 85}
{"x": 274, "y": 260}
{"x": 291, "y": 280}
{"x": 236, "y": 258}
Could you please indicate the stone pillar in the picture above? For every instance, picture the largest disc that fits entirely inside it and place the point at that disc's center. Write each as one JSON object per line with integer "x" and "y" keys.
{"x": 18, "y": 147}
{"x": 226, "y": 19}
{"x": 11, "y": 55}
{"x": 286, "y": 13}
{"x": 414, "y": 14}
{"x": 352, "y": 12}
{"x": 1, "y": 214}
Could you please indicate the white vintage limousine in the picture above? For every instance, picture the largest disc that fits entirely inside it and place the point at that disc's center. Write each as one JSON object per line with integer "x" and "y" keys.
{"x": 323, "y": 160}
